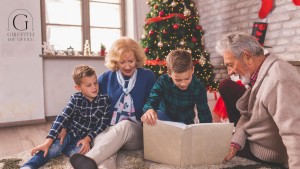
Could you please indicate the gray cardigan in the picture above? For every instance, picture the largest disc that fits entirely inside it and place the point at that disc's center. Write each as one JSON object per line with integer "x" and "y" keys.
{"x": 270, "y": 114}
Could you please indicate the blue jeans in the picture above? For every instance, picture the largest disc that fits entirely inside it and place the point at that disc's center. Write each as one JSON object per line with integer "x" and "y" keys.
{"x": 163, "y": 116}
{"x": 68, "y": 148}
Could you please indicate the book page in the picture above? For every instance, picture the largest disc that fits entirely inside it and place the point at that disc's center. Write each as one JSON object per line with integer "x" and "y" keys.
{"x": 176, "y": 124}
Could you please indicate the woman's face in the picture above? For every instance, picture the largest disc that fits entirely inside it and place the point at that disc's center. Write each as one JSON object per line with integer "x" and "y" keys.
{"x": 127, "y": 63}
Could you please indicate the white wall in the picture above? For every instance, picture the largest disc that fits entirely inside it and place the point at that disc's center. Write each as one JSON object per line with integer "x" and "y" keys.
{"x": 135, "y": 14}
{"x": 58, "y": 81}
{"x": 21, "y": 84}
{"x": 222, "y": 16}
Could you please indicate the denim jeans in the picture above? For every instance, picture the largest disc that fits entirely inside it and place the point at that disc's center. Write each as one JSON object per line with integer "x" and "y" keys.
{"x": 163, "y": 116}
{"x": 68, "y": 148}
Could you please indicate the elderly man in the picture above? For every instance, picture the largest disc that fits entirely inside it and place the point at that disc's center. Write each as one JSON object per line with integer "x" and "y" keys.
{"x": 267, "y": 114}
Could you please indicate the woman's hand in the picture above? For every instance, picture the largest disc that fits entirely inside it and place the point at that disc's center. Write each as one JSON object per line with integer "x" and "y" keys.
{"x": 85, "y": 145}
{"x": 231, "y": 154}
{"x": 44, "y": 147}
{"x": 149, "y": 117}
{"x": 62, "y": 135}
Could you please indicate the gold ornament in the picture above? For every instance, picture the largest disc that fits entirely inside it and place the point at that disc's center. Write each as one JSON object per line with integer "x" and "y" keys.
{"x": 147, "y": 2}
{"x": 202, "y": 40}
{"x": 144, "y": 36}
{"x": 173, "y": 4}
{"x": 182, "y": 43}
{"x": 202, "y": 61}
{"x": 160, "y": 44}
{"x": 192, "y": 4}
{"x": 160, "y": 71}
{"x": 187, "y": 12}
{"x": 189, "y": 50}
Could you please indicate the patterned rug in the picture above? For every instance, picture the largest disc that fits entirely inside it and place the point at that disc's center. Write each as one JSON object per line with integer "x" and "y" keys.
{"x": 132, "y": 160}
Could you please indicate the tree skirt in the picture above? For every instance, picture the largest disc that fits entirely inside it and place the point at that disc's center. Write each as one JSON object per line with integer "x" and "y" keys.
{"x": 132, "y": 160}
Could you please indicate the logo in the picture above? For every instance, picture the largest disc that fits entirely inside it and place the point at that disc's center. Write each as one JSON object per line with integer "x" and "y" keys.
{"x": 20, "y": 26}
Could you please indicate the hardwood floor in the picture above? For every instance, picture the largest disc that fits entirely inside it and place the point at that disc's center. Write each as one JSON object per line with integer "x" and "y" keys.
{"x": 14, "y": 140}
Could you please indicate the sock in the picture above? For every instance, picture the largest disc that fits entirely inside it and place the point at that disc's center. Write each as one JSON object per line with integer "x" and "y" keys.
{"x": 266, "y": 6}
{"x": 296, "y": 2}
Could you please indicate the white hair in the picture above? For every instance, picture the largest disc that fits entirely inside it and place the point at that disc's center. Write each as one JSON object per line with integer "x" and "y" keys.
{"x": 237, "y": 43}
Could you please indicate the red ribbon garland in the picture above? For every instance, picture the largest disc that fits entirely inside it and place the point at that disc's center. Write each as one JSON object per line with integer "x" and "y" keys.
{"x": 163, "y": 63}
{"x": 159, "y": 18}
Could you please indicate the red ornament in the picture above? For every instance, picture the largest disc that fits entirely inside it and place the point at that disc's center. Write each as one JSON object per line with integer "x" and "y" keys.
{"x": 157, "y": 59}
{"x": 266, "y": 6}
{"x": 176, "y": 26}
{"x": 199, "y": 27}
{"x": 194, "y": 39}
{"x": 145, "y": 19}
{"x": 151, "y": 32}
{"x": 155, "y": 7}
{"x": 161, "y": 13}
{"x": 164, "y": 32}
{"x": 202, "y": 46}
{"x": 146, "y": 50}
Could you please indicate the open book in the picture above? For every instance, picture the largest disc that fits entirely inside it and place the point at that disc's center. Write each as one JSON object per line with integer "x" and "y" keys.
{"x": 178, "y": 144}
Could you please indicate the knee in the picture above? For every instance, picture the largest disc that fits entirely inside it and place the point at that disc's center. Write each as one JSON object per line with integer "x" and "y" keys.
{"x": 126, "y": 124}
{"x": 224, "y": 85}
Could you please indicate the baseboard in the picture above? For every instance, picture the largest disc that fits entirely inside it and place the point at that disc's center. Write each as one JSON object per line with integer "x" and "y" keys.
{"x": 21, "y": 123}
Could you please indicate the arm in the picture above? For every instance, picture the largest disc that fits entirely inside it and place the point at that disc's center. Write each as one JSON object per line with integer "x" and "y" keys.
{"x": 204, "y": 113}
{"x": 155, "y": 96}
{"x": 152, "y": 103}
{"x": 283, "y": 105}
{"x": 62, "y": 119}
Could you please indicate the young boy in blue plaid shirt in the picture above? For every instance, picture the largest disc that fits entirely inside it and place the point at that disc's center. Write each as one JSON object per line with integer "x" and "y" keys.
{"x": 175, "y": 94}
{"x": 88, "y": 111}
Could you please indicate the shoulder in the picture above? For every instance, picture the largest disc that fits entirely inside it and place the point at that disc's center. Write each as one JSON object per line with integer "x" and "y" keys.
{"x": 145, "y": 72}
{"x": 106, "y": 74}
{"x": 164, "y": 79}
{"x": 104, "y": 97}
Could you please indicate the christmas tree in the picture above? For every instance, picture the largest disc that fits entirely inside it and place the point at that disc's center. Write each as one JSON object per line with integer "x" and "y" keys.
{"x": 170, "y": 25}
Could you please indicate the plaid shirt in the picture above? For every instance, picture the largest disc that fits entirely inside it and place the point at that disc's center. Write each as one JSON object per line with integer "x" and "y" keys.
{"x": 251, "y": 84}
{"x": 88, "y": 118}
{"x": 179, "y": 104}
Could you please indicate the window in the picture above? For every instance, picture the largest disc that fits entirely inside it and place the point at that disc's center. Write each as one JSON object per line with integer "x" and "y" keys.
{"x": 68, "y": 23}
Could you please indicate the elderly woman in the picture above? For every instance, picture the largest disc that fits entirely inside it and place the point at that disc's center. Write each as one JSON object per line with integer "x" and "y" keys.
{"x": 129, "y": 86}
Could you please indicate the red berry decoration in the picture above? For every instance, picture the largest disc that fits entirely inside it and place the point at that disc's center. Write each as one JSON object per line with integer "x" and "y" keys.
{"x": 151, "y": 32}
{"x": 194, "y": 39}
{"x": 176, "y": 26}
{"x": 146, "y": 50}
{"x": 161, "y": 13}
{"x": 199, "y": 27}
{"x": 155, "y": 7}
{"x": 164, "y": 32}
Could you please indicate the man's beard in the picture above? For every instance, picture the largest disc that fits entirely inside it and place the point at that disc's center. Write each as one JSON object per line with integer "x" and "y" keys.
{"x": 246, "y": 78}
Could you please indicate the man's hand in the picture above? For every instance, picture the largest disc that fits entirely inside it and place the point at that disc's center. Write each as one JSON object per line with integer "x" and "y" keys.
{"x": 231, "y": 154}
{"x": 85, "y": 145}
{"x": 150, "y": 117}
{"x": 62, "y": 135}
{"x": 44, "y": 147}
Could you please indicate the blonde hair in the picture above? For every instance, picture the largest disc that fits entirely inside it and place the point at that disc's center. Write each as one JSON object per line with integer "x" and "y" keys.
{"x": 81, "y": 72}
{"x": 179, "y": 61}
{"x": 121, "y": 46}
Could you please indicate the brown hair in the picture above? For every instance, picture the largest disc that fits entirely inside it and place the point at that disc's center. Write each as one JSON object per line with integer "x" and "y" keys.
{"x": 179, "y": 61}
{"x": 122, "y": 46}
{"x": 81, "y": 72}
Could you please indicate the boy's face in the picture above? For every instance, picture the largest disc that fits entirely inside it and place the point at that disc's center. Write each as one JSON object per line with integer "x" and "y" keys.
{"x": 89, "y": 87}
{"x": 182, "y": 80}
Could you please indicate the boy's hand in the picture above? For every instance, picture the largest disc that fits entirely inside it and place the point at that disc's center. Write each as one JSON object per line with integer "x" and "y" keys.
{"x": 231, "y": 154}
{"x": 44, "y": 147}
{"x": 62, "y": 135}
{"x": 150, "y": 117}
{"x": 85, "y": 145}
